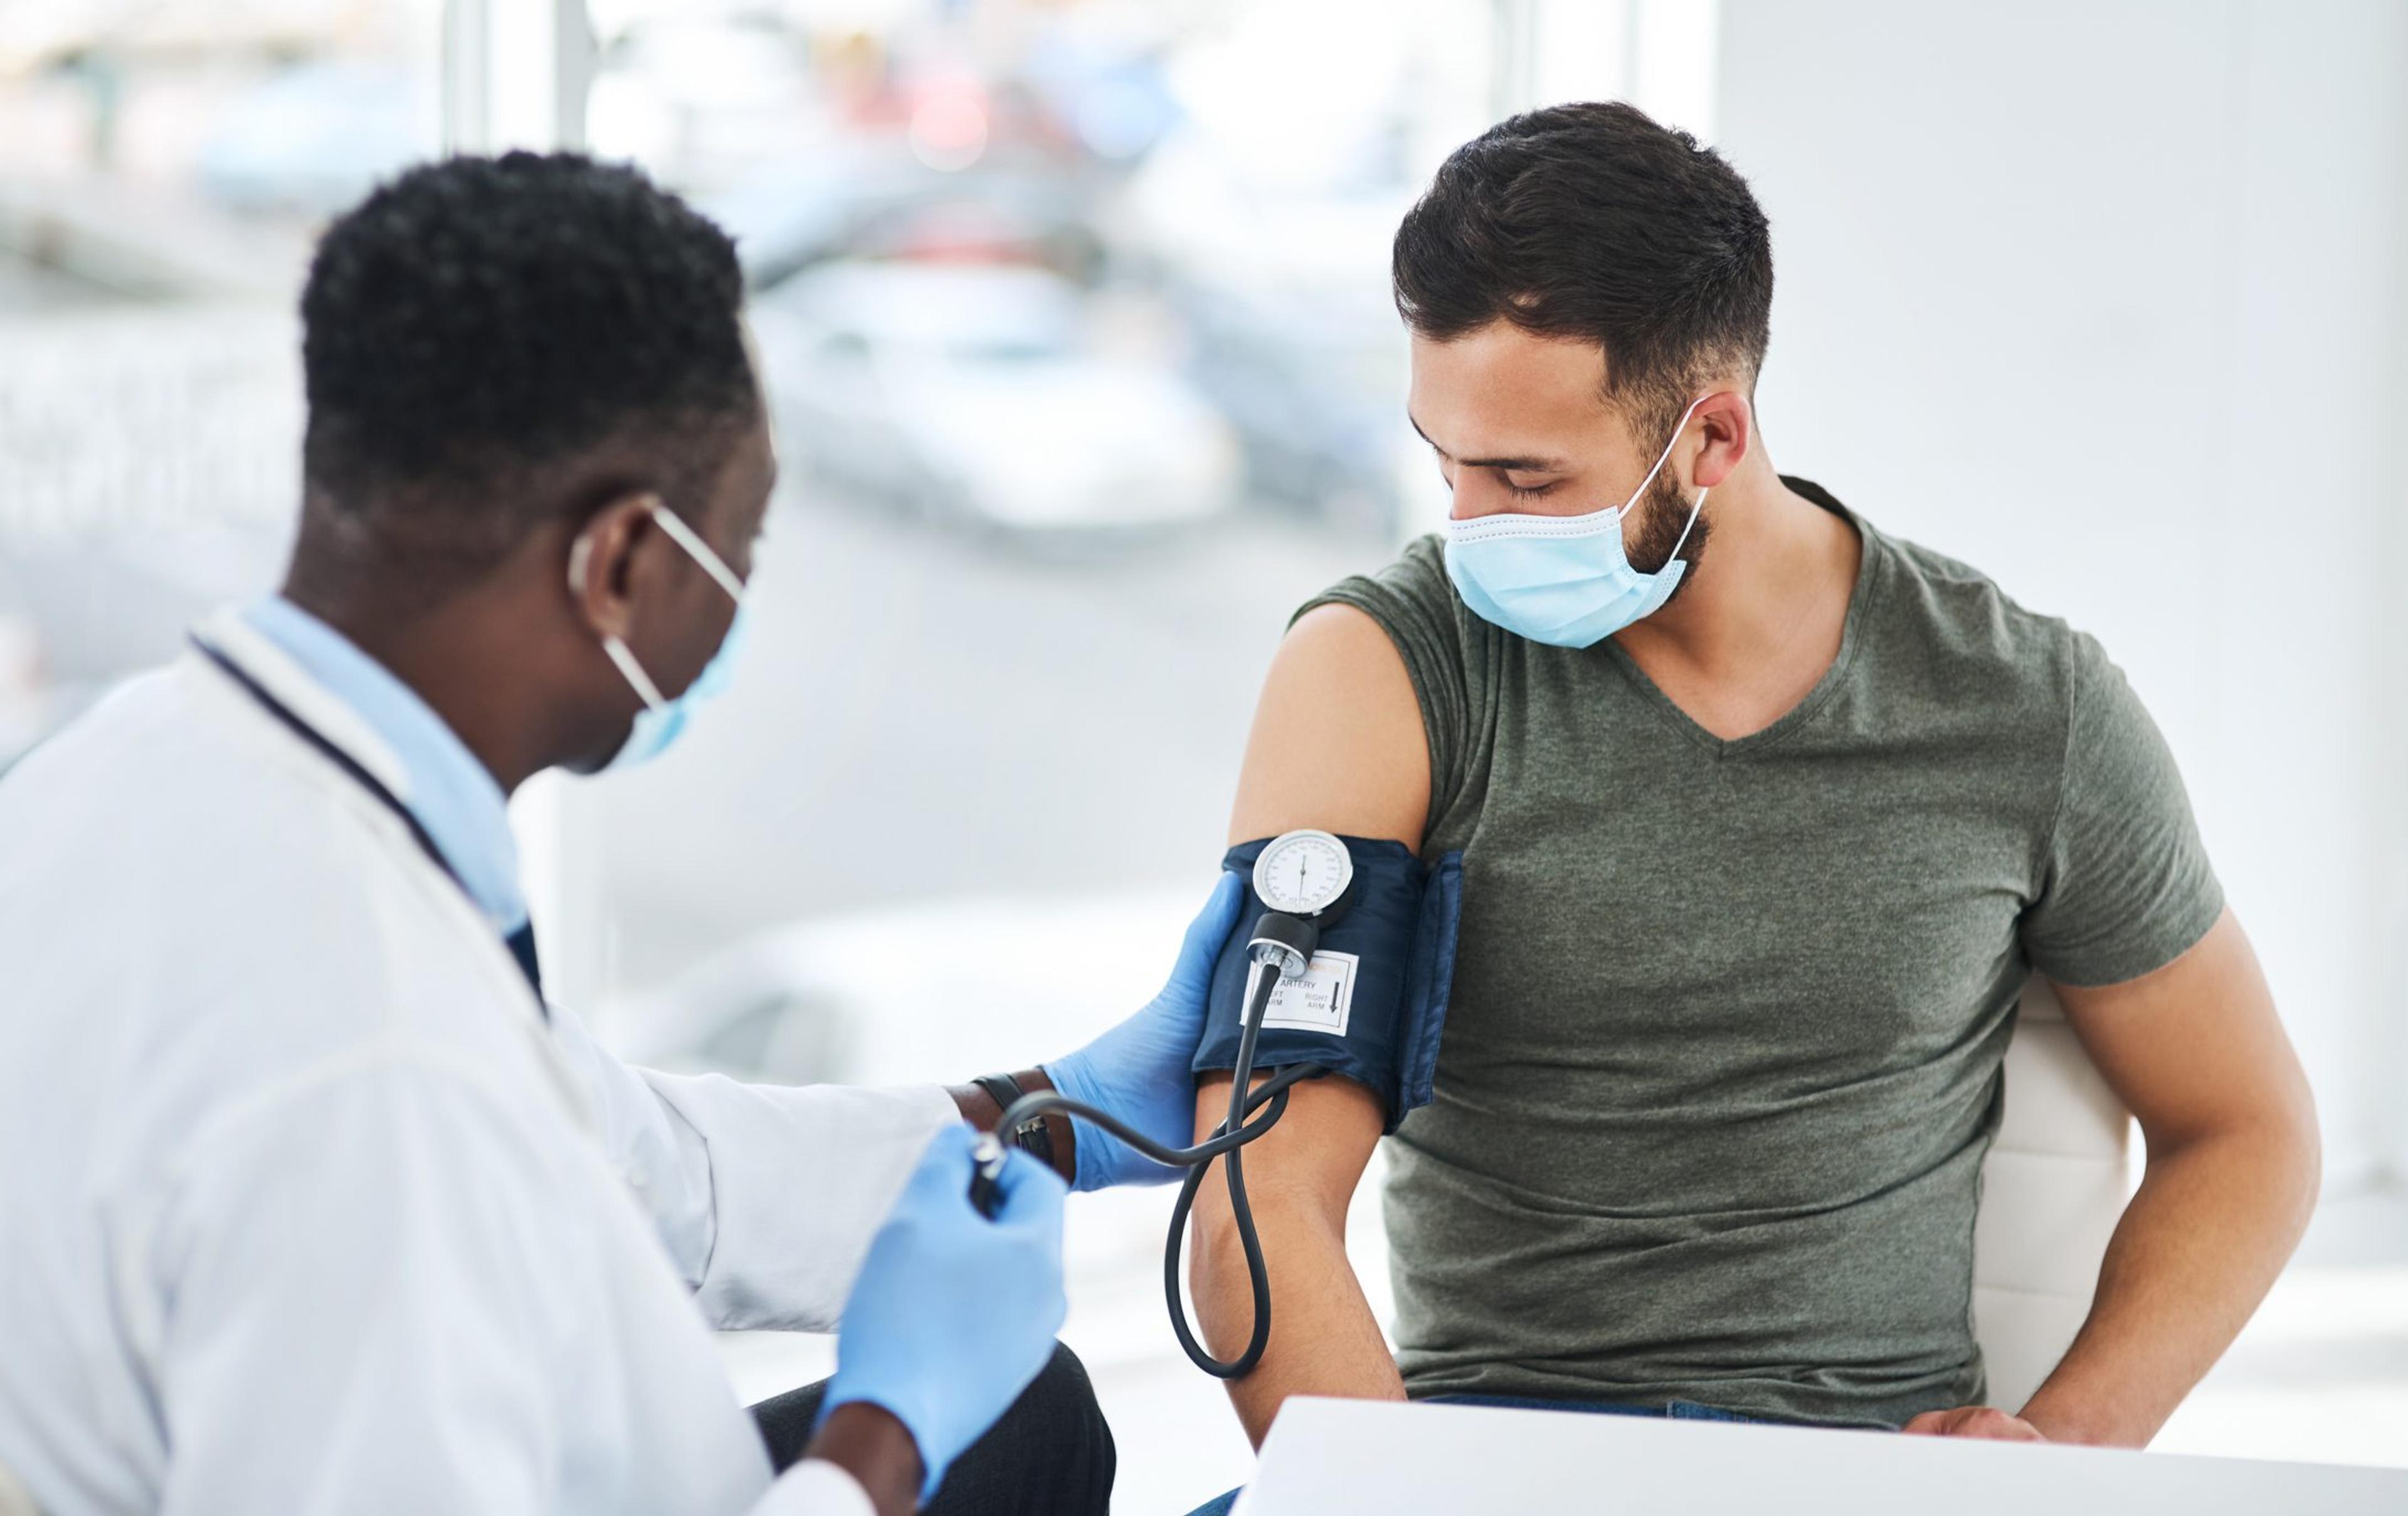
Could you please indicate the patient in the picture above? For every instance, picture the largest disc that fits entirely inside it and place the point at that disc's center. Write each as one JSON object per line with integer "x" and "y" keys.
{"x": 1752, "y": 877}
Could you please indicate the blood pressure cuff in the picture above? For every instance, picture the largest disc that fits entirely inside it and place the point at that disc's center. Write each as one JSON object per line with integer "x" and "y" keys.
{"x": 1374, "y": 1001}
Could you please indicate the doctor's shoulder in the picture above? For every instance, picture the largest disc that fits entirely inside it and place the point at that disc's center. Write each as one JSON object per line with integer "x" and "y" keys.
{"x": 161, "y": 865}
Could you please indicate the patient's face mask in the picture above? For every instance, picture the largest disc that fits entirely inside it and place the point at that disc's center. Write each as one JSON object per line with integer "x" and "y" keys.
{"x": 664, "y": 718}
{"x": 1564, "y": 580}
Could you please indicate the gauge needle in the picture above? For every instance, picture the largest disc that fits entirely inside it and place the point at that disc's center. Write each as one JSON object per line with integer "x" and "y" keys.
{"x": 1299, "y": 874}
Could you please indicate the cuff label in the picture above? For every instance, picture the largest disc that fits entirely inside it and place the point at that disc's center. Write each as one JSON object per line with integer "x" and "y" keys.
{"x": 1319, "y": 1000}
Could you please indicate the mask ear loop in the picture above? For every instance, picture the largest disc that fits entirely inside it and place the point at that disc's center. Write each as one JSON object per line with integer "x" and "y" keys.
{"x": 580, "y": 555}
{"x": 1699, "y": 504}
{"x": 1683, "y": 539}
{"x": 700, "y": 552}
{"x": 646, "y": 691}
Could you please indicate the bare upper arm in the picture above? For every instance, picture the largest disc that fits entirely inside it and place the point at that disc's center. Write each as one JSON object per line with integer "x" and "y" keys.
{"x": 1336, "y": 742}
{"x": 2196, "y": 1046}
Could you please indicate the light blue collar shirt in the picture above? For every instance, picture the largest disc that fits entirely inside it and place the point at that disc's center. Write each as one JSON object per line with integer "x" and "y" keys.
{"x": 453, "y": 796}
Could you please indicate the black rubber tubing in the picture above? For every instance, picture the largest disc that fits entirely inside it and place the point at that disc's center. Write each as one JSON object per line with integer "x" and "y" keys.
{"x": 1231, "y": 1135}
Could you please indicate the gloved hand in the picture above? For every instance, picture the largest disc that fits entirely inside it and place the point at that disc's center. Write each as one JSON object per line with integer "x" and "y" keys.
{"x": 1138, "y": 1070}
{"x": 954, "y": 1314}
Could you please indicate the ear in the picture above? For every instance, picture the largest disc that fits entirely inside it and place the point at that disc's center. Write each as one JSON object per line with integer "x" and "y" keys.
{"x": 1728, "y": 423}
{"x": 601, "y": 562}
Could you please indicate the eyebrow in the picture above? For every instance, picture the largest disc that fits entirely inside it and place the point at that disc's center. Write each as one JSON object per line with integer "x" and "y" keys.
{"x": 1515, "y": 465}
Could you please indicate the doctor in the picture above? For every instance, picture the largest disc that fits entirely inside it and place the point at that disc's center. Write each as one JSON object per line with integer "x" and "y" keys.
{"x": 307, "y": 1201}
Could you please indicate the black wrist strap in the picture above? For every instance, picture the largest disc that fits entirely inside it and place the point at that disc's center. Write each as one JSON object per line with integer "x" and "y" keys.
{"x": 1031, "y": 1137}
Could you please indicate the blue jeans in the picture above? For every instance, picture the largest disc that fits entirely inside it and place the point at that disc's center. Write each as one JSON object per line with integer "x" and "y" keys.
{"x": 1679, "y": 1411}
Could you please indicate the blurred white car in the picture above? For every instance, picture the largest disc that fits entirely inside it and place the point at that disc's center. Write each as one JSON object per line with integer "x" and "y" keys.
{"x": 317, "y": 137}
{"x": 966, "y": 391}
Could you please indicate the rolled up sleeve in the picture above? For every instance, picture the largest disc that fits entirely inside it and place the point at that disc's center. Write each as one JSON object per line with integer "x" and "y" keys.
{"x": 766, "y": 1195}
{"x": 800, "y": 1177}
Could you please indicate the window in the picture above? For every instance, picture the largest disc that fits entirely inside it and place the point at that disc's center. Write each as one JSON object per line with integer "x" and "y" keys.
{"x": 163, "y": 168}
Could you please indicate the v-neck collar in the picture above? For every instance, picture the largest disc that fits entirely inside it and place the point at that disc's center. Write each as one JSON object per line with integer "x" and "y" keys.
{"x": 1851, "y": 634}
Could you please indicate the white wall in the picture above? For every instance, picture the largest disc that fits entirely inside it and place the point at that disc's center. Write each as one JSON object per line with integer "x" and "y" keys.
{"x": 2106, "y": 298}
{"x": 1657, "y": 55}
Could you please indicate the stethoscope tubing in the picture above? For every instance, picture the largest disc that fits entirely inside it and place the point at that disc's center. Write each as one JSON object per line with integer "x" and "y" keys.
{"x": 1233, "y": 1134}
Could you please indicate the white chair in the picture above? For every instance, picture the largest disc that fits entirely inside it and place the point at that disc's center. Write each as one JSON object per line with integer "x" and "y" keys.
{"x": 2054, "y": 1186}
{"x": 14, "y": 1501}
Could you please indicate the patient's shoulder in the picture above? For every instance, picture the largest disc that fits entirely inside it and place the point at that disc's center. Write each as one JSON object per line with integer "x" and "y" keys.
{"x": 1414, "y": 605}
{"x": 1340, "y": 644}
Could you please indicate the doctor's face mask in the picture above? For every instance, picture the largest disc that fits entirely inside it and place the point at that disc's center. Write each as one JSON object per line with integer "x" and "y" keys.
{"x": 665, "y": 719}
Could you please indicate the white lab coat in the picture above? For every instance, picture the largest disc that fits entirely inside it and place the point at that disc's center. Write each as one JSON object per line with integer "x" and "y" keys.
{"x": 303, "y": 1204}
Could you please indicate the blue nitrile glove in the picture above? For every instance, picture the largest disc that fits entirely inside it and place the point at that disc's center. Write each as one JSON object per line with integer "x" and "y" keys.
{"x": 954, "y": 1314}
{"x": 1140, "y": 1069}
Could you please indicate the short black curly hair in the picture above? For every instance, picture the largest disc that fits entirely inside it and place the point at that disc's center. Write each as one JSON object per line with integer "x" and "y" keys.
{"x": 1592, "y": 221}
{"x": 478, "y": 320}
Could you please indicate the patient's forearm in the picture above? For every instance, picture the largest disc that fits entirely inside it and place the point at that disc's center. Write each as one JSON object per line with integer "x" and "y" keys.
{"x": 1324, "y": 1338}
{"x": 2211, "y": 1227}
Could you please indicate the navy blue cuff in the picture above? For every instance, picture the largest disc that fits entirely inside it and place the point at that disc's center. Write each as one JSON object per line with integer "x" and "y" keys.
{"x": 1375, "y": 1004}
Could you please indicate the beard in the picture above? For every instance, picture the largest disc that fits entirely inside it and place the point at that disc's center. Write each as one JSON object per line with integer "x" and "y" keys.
{"x": 1656, "y": 531}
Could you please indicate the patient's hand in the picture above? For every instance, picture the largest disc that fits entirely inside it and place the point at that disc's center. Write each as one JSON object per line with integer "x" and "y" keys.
{"x": 1973, "y": 1421}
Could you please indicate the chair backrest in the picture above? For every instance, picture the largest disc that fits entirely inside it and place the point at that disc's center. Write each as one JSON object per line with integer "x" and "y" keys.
{"x": 2052, "y": 1188}
{"x": 14, "y": 1501}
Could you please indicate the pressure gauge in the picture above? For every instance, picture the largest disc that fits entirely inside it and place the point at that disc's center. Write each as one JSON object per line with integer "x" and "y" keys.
{"x": 1303, "y": 873}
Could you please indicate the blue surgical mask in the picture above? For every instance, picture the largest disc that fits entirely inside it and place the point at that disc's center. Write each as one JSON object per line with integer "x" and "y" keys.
{"x": 664, "y": 718}
{"x": 1564, "y": 580}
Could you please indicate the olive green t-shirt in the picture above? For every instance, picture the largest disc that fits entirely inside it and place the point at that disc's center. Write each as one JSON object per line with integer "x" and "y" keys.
{"x": 1722, "y": 1058}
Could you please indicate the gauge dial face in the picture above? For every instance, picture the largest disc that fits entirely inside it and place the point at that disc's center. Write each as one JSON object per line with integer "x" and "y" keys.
{"x": 1303, "y": 873}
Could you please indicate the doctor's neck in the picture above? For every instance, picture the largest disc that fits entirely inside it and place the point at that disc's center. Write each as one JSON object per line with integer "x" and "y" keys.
{"x": 484, "y": 652}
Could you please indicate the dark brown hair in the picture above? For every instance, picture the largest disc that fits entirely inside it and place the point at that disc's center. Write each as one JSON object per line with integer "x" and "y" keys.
{"x": 1593, "y": 221}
